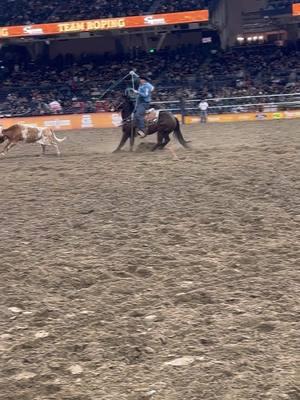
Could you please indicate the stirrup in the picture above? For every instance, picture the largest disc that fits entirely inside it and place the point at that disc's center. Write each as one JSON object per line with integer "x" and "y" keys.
{"x": 141, "y": 133}
{"x": 150, "y": 110}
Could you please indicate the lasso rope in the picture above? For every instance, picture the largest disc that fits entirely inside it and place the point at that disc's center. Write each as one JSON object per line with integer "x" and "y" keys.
{"x": 114, "y": 85}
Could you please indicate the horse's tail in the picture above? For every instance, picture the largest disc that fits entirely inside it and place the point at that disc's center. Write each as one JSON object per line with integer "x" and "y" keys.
{"x": 179, "y": 136}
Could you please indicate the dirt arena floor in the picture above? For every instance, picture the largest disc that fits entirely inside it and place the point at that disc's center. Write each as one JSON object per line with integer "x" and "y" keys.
{"x": 135, "y": 277}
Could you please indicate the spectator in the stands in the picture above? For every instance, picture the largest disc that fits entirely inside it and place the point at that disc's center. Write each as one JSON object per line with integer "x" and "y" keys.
{"x": 78, "y": 84}
{"x": 55, "y": 107}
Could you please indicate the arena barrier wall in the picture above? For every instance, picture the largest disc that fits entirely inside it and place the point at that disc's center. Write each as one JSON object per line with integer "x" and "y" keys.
{"x": 113, "y": 120}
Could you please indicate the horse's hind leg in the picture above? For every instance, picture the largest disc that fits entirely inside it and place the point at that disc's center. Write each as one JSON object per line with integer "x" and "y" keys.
{"x": 160, "y": 138}
{"x": 166, "y": 140}
{"x": 123, "y": 141}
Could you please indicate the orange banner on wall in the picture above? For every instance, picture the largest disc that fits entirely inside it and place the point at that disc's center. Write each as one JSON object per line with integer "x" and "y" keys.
{"x": 141, "y": 21}
{"x": 67, "y": 122}
{"x": 113, "y": 120}
{"x": 296, "y": 9}
{"x": 246, "y": 117}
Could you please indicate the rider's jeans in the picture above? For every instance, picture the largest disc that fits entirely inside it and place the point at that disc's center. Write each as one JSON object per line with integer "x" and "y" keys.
{"x": 140, "y": 112}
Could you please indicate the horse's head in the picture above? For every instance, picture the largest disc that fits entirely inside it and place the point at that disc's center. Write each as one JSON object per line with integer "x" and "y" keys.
{"x": 125, "y": 105}
{"x": 118, "y": 104}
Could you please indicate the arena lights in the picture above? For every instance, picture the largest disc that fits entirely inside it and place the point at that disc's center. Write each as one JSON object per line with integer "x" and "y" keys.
{"x": 250, "y": 39}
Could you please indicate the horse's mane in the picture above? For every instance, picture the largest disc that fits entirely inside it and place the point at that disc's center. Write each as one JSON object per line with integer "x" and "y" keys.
{"x": 128, "y": 99}
{"x": 126, "y": 107}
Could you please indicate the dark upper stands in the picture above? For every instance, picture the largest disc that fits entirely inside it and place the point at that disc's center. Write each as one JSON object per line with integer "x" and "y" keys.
{"x": 279, "y": 5}
{"x": 19, "y": 12}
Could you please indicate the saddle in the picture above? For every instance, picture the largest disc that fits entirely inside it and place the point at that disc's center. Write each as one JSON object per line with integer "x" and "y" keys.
{"x": 151, "y": 116}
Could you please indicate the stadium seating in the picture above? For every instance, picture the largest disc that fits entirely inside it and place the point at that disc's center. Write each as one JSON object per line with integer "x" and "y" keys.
{"x": 185, "y": 73}
{"x": 278, "y": 5}
{"x": 18, "y": 12}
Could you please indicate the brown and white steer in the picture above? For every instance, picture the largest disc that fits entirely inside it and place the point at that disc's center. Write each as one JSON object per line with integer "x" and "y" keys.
{"x": 28, "y": 134}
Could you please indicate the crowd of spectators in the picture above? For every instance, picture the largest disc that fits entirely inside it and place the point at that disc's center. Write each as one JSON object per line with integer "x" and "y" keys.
{"x": 185, "y": 73}
{"x": 279, "y": 5}
{"x": 276, "y": 8}
{"x": 21, "y": 12}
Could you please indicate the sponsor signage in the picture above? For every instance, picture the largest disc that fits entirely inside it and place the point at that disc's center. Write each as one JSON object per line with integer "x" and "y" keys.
{"x": 140, "y": 21}
{"x": 296, "y": 9}
{"x": 113, "y": 120}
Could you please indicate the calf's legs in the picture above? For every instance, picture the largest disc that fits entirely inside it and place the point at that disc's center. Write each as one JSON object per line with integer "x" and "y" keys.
{"x": 56, "y": 148}
{"x": 7, "y": 147}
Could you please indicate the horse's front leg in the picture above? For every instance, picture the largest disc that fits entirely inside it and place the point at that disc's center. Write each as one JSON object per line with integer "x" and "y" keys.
{"x": 122, "y": 142}
{"x": 132, "y": 136}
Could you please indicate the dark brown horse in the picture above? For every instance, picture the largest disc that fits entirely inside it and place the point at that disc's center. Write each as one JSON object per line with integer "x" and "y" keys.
{"x": 165, "y": 124}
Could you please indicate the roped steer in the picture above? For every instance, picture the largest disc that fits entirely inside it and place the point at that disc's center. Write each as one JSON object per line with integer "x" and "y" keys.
{"x": 28, "y": 134}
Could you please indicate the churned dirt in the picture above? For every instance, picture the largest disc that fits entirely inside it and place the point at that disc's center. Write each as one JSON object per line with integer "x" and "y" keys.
{"x": 135, "y": 277}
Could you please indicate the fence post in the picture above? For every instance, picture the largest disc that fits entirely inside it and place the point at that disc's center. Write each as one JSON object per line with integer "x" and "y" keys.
{"x": 182, "y": 110}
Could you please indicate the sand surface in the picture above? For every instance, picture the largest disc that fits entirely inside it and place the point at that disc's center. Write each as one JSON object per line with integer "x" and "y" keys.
{"x": 114, "y": 265}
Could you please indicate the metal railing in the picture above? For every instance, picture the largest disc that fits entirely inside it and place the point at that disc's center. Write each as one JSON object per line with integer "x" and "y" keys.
{"x": 219, "y": 105}
{"x": 259, "y": 103}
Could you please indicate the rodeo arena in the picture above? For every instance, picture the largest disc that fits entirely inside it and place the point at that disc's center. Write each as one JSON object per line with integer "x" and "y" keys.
{"x": 150, "y": 200}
